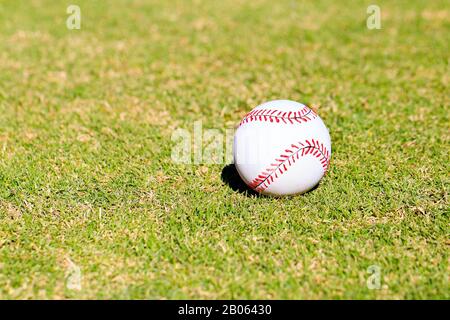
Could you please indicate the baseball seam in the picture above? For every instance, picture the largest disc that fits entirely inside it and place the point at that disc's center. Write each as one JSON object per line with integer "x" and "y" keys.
{"x": 287, "y": 159}
{"x": 289, "y": 117}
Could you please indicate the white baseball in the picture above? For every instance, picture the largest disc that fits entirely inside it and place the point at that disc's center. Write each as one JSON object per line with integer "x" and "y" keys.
{"x": 282, "y": 147}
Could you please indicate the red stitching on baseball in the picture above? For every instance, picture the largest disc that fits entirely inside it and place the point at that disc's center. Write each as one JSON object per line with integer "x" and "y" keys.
{"x": 285, "y": 160}
{"x": 268, "y": 115}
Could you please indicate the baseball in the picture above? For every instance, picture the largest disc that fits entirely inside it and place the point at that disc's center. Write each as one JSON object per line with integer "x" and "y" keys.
{"x": 282, "y": 147}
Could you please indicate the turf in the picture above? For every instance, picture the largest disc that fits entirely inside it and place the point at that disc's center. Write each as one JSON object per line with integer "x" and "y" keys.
{"x": 86, "y": 175}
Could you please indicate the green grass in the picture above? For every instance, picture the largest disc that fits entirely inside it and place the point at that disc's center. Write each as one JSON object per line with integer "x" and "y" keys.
{"x": 86, "y": 118}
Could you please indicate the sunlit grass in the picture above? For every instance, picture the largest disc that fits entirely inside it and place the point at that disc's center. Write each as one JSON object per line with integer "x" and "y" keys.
{"x": 86, "y": 118}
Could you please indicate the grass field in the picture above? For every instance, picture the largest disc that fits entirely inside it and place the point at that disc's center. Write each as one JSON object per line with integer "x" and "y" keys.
{"x": 86, "y": 177}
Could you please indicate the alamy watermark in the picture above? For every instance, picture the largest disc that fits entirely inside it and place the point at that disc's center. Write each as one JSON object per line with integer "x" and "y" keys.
{"x": 202, "y": 146}
{"x": 373, "y": 282}
{"x": 73, "y": 276}
{"x": 374, "y": 19}
{"x": 73, "y": 21}
{"x": 214, "y": 146}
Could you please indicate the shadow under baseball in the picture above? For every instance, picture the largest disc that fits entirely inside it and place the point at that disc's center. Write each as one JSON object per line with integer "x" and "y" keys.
{"x": 231, "y": 177}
